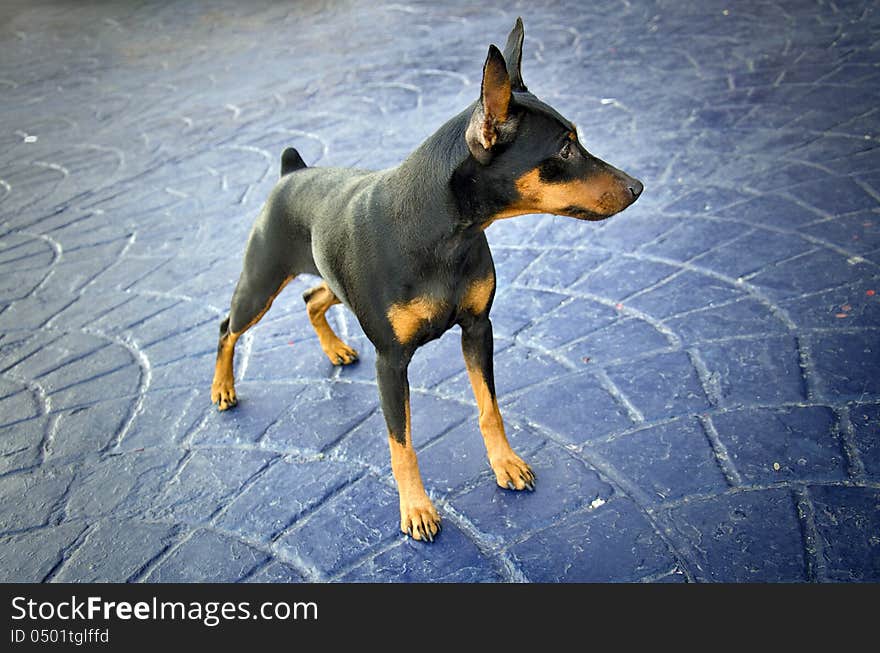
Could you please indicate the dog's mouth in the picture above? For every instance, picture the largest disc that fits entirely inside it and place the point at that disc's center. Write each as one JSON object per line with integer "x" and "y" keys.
{"x": 611, "y": 202}
{"x": 585, "y": 214}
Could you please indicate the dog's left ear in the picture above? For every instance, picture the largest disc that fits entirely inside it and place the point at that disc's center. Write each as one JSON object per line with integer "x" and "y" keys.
{"x": 489, "y": 121}
{"x": 513, "y": 56}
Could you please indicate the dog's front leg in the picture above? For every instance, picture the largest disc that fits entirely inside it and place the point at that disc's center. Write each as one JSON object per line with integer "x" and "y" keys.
{"x": 418, "y": 517}
{"x": 511, "y": 471}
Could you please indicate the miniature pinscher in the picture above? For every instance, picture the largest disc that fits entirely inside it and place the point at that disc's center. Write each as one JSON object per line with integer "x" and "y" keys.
{"x": 405, "y": 250}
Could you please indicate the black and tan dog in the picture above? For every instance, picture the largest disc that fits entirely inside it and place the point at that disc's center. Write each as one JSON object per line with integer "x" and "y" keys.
{"x": 404, "y": 249}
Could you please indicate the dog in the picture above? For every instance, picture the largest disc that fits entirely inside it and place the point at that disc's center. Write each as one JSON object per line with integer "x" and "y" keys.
{"x": 405, "y": 250}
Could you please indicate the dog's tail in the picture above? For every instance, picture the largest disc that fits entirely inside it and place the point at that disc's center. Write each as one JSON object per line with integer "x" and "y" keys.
{"x": 290, "y": 161}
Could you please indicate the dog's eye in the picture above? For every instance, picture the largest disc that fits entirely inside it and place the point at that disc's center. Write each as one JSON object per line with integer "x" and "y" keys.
{"x": 565, "y": 152}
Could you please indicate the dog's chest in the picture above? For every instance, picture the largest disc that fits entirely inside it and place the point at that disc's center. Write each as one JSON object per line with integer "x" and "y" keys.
{"x": 431, "y": 313}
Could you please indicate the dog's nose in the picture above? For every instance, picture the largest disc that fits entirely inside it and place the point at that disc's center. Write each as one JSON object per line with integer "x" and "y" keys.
{"x": 636, "y": 188}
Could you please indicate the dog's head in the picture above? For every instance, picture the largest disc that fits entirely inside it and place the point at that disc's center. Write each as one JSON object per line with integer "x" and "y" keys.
{"x": 532, "y": 150}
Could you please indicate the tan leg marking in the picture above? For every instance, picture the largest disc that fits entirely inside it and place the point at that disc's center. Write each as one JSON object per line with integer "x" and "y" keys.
{"x": 418, "y": 517}
{"x": 511, "y": 472}
{"x": 476, "y": 297}
{"x": 319, "y": 300}
{"x": 223, "y": 386}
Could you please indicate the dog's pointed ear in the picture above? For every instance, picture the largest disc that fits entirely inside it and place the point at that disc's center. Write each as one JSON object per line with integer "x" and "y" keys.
{"x": 489, "y": 118}
{"x": 513, "y": 56}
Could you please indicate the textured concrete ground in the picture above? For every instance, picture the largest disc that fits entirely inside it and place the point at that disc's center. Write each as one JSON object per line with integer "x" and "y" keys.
{"x": 695, "y": 381}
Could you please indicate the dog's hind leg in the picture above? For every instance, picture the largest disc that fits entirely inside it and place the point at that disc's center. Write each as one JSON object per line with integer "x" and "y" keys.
{"x": 245, "y": 313}
{"x": 318, "y": 300}
{"x": 263, "y": 277}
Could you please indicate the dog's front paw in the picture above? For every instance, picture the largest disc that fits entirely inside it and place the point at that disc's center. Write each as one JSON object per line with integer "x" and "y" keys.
{"x": 223, "y": 394}
{"x": 512, "y": 472}
{"x": 420, "y": 520}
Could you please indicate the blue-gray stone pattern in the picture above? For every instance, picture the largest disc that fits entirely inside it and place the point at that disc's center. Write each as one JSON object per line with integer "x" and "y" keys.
{"x": 695, "y": 381}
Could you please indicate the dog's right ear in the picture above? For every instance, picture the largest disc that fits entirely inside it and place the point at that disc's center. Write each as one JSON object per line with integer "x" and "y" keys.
{"x": 513, "y": 56}
{"x": 490, "y": 120}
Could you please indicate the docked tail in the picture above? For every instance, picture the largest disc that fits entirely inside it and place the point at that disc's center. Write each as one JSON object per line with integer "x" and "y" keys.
{"x": 290, "y": 161}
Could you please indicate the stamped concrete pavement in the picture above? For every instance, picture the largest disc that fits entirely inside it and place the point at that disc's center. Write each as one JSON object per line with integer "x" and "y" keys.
{"x": 694, "y": 381}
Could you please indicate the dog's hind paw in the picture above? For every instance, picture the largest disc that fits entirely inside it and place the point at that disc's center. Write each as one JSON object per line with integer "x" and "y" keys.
{"x": 340, "y": 354}
{"x": 224, "y": 396}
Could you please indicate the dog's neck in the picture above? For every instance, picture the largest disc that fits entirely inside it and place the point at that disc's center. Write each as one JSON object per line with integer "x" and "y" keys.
{"x": 445, "y": 187}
